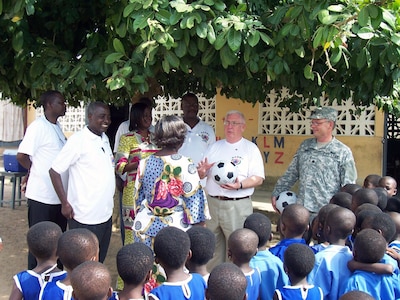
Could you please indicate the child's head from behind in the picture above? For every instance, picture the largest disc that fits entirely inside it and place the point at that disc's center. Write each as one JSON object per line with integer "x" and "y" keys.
{"x": 390, "y": 184}
{"x": 395, "y": 216}
{"x": 319, "y": 222}
{"x": 363, "y": 196}
{"x": 369, "y": 246}
{"x": 299, "y": 260}
{"x": 226, "y": 281}
{"x": 371, "y": 181}
{"x": 294, "y": 221}
{"x": 339, "y": 224}
{"x": 393, "y": 204}
{"x": 382, "y": 197}
{"x": 261, "y": 225}
{"x": 76, "y": 246}
{"x": 202, "y": 244}
{"x": 42, "y": 239}
{"x": 356, "y": 295}
{"x": 91, "y": 280}
{"x": 382, "y": 223}
{"x": 134, "y": 263}
{"x": 342, "y": 199}
{"x": 171, "y": 247}
{"x": 242, "y": 245}
{"x": 350, "y": 188}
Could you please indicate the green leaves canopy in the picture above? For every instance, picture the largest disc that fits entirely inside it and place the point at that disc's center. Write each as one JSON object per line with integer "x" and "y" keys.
{"x": 112, "y": 50}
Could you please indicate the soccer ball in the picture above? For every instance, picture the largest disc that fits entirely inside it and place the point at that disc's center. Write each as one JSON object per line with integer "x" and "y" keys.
{"x": 284, "y": 199}
{"x": 224, "y": 172}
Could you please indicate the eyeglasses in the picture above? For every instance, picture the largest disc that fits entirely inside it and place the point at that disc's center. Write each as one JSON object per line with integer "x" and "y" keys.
{"x": 227, "y": 123}
{"x": 315, "y": 123}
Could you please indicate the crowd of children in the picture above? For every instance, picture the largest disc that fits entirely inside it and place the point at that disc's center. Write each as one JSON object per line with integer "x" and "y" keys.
{"x": 350, "y": 250}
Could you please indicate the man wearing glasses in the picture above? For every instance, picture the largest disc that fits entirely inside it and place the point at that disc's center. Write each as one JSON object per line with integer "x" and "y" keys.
{"x": 321, "y": 165}
{"x": 230, "y": 204}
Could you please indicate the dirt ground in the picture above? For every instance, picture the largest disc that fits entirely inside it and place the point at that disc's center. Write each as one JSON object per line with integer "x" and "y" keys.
{"x": 13, "y": 257}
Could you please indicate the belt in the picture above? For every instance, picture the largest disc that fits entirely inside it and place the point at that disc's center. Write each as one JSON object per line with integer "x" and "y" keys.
{"x": 228, "y": 198}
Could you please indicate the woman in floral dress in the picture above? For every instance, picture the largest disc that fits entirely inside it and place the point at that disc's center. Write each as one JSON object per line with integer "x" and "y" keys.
{"x": 137, "y": 144}
{"x": 167, "y": 189}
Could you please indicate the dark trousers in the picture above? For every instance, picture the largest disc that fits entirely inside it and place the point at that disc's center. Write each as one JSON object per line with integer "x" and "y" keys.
{"x": 102, "y": 231}
{"x": 39, "y": 212}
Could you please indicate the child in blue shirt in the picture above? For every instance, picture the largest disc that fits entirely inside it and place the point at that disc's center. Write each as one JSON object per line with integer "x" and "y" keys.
{"x": 293, "y": 224}
{"x": 172, "y": 248}
{"x": 317, "y": 227}
{"x": 273, "y": 275}
{"x": 299, "y": 261}
{"x": 242, "y": 246}
{"x": 369, "y": 248}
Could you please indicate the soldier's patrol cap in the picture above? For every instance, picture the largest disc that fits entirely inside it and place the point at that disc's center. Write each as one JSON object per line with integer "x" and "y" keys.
{"x": 328, "y": 113}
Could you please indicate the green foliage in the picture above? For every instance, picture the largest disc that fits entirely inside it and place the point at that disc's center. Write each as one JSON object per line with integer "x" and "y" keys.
{"x": 112, "y": 50}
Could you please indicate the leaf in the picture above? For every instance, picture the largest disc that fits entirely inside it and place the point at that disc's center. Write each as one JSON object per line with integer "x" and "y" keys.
{"x": 234, "y": 39}
{"x": 118, "y": 46}
{"x": 286, "y": 29}
{"x": 138, "y": 79}
{"x": 395, "y": 38}
{"x": 253, "y": 38}
{"x": 363, "y": 17}
{"x": 18, "y": 41}
{"x": 228, "y": 58}
{"x": 177, "y": 171}
{"x": 181, "y": 50}
{"x": 125, "y": 71}
{"x": 317, "y": 41}
{"x": 210, "y": 34}
{"x": 220, "y": 41}
{"x": 267, "y": 39}
{"x": 325, "y": 18}
{"x": 308, "y": 73}
{"x": 300, "y": 52}
{"x": 113, "y": 57}
{"x": 201, "y": 30}
{"x": 336, "y": 8}
{"x": 208, "y": 56}
{"x": 336, "y": 55}
{"x": 172, "y": 59}
{"x": 365, "y": 33}
{"x": 163, "y": 16}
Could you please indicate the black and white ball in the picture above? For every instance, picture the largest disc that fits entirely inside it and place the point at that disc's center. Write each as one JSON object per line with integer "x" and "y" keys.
{"x": 224, "y": 172}
{"x": 284, "y": 199}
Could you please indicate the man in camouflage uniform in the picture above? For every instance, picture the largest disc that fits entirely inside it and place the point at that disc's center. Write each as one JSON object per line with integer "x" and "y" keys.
{"x": 322, "y": 164}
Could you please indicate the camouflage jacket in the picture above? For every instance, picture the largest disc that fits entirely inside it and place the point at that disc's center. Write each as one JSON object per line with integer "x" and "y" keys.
{"x": 321, "y": 172}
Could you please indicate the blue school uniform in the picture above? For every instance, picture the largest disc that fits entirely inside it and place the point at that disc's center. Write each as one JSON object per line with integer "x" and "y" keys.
{"x": 395, "y": 245}
{"x": 56, "y": 290}
{"x": 300, "y": 293}
{"x": 279, "y": 249}
{"x": 253, "y": 284}
{"x": 273, "y": 275}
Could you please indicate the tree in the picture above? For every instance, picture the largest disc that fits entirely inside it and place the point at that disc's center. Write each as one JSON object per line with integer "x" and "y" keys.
{"x": 112, "y": 50}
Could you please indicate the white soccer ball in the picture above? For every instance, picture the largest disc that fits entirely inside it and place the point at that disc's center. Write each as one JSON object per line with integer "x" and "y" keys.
{"x": 284, "y": 199}
{"x": 224, "y": 172}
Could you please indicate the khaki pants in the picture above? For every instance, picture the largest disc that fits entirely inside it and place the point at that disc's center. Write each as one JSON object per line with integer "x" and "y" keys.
{"x": 226, "y": 217}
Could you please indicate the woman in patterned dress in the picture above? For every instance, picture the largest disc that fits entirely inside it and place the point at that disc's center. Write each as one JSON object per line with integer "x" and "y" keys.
{"x": 167, "y": 189}
{"x": 137, "y": 144}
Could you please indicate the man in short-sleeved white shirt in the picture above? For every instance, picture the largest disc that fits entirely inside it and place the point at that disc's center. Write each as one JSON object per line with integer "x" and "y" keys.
{"x": 230, "y": 204}
{"x": 88, "y": 157}
{"x": 42, "y": 142}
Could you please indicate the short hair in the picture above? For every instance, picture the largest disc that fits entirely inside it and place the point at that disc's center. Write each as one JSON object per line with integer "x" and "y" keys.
{"x": 395, "y": 216}
{"x": 341, "y": 222}
{"x": 356, "y": 295}
{"x": 94, "y": 105}
{"x": 364, "y": 215}
{"x": 202, "y": 244}
{"x": 342, "y": 199}
{"x": 296, "y": 218}
{"x": 261, "y": 225}
{"x": 136, "y": 115}
{"x": 299, "y": 260}
{"x": 91, "y": 280}
{"x": 382, "y": 197}
{"x": 384, "y": 223}
{"x": 42, "y": 239}
{"x": 372, "y": 178}
{"x": 134, "y": 261}
{"x": 236, "y": 112}
{"x": 384, "y": 179}
{"x": 369, "y": 246}
{"x": 170, "y": 131}
{"x": 350, "y": 188}
{"x": 364, "y": 196}
{"x": 171, "y": 247}
{"x": 190, "y": 95}
{"x": 48, "y": 97}
{"x": 393, "y": 204}
{"x": 76, "y": 246}
{"x": 367, "y": 206}
{"x": 321, "y": 218}
{"x": 226, "y": 281}
{"x": 242, "y": 243}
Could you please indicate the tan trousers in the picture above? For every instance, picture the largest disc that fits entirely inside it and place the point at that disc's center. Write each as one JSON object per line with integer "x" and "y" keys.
{"x": 226, "y": 217}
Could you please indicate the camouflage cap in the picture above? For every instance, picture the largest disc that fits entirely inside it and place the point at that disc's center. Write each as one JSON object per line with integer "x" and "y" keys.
{"x": 328, "y": 113}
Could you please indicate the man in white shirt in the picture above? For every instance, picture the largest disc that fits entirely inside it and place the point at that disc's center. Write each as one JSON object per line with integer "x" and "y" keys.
{"x": 42, "y": 142}
{"x": 87, "y": 155}
{"x": 230, "y": 204}
{"x": 199, "y": 134}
